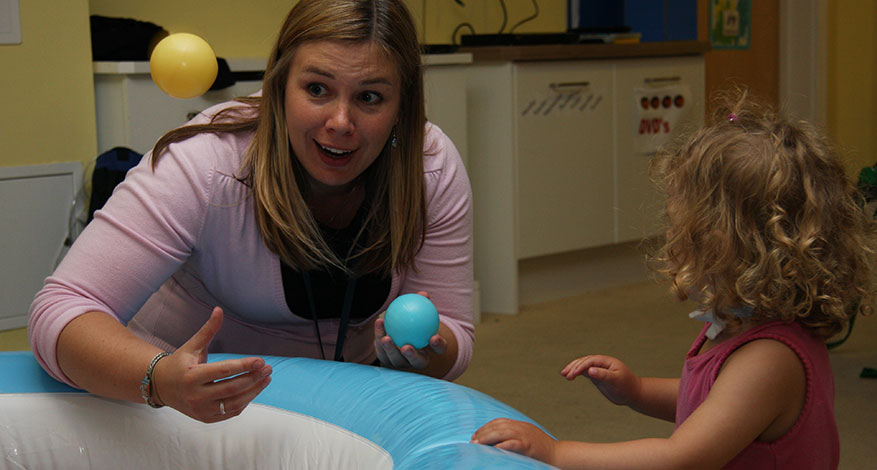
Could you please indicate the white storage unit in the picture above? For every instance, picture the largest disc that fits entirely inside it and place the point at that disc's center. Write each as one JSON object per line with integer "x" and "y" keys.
{"x": 638, "y": 204}
{"x": 564, "y": 194}
{"x": 36, "y": 210}
{"x": 133, "y": 112}
{"x": 559, "y": 153}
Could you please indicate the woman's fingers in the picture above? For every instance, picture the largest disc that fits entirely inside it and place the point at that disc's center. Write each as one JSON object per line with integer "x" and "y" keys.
{"x": 229, "y": 397}
{"x": 414, "y": 358}
{"x": 386, "y": 349}
{"x": 211, "y": 391}
{"x": 200, "y": 341}
{"x": 380, "y": 333}
{"x": 438, "y": 344}
{"x": 407, "y": 356}
{"x": 394, "y": 357}
{"x": 213, "y": 372}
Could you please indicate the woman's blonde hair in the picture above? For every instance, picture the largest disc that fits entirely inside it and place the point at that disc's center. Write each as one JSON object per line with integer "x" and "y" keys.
{"x": 395, "y": 222}
{"x": 761, "y": 213}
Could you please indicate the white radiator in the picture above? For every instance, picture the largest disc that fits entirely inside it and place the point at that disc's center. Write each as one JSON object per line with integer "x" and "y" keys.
{"x": 38, "y": 209}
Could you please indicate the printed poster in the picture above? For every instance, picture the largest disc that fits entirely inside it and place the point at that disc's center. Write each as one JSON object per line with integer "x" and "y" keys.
{"x": 660, "y": 111}
{"x": 730, "y": 24}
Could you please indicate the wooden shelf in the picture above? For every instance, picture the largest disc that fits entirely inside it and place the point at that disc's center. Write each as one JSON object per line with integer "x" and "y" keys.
{"x": 586, "y": 51}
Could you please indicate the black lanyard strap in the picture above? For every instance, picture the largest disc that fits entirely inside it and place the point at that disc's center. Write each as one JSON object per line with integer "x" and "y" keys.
{"x": 344, "y": 319}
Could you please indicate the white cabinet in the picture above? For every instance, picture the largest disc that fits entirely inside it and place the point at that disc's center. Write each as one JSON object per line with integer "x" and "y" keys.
{"x": 36, "y": 203}
{"x": 638, "y": 203}
{"x": 444, "y": 89}
{"x": 559, "y": 154}
{"x": 564, "y": 188}
{"x": 133, "y": 112}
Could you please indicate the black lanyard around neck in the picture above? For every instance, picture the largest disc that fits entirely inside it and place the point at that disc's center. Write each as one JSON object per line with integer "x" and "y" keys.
{"x": 345, "y": 316}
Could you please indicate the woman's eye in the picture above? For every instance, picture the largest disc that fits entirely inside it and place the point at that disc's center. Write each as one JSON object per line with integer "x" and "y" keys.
{"x": 315, "y": 89}
{"x": 370, "y": 97}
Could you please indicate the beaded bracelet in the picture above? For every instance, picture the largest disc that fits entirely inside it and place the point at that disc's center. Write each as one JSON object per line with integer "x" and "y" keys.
{"x": 146, "y": 383}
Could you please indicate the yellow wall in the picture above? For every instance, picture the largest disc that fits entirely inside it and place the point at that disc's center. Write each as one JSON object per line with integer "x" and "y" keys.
{"x": 46, "y": 88}
{"x": 46, "y": 85}
{"x": 247, "y": 29}
{"x": 234, "y": 28}
{"x": 442, "y": 17}
{"x": 852, "y": 80}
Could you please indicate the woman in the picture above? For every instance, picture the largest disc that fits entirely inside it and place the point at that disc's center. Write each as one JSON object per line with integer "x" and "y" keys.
{"x": 281, "y": 224}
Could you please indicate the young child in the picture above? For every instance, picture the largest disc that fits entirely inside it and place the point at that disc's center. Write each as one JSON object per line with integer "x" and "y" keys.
{"x": 766, "y": 234}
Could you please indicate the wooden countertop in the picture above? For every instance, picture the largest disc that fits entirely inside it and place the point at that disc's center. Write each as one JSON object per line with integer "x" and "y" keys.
{"x": 250, "y": 64}
{"x": 585, "y": 51}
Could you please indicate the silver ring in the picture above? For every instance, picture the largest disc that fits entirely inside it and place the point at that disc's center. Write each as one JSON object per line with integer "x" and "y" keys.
{"x": 221, "y": 407}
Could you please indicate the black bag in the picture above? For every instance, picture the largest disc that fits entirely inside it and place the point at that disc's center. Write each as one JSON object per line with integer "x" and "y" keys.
{"x": 109, "y": 170}
{"x": 123, "y": 38}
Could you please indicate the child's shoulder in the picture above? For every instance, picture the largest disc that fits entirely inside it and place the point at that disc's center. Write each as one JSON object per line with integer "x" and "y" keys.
{"x": 773, "y": 353}
{"x": 770, "y": 376}
{"x": 765, "y": 352}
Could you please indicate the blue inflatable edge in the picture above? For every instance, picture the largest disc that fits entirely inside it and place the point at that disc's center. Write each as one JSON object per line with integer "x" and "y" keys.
{"x": 422, "y": 422}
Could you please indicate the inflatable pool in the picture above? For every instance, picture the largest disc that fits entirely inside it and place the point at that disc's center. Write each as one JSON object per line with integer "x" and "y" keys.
{"x": 314, "y": 415}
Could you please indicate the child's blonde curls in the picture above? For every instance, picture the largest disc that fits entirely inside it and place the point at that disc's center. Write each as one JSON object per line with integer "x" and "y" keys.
{"x": 761, "y": 213}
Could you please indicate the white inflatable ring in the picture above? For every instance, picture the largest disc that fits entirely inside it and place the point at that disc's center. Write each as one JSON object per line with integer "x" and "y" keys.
{"x": 314, "y": 415}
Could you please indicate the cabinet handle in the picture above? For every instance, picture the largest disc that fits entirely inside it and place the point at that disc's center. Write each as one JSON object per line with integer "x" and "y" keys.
{"x": 662, "y": 79}
{"x": 560, "y": 86}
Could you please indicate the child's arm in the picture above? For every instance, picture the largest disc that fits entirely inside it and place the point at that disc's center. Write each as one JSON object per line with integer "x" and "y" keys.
{"x": 757, "y": 395}
{"x": 651, "y": 396}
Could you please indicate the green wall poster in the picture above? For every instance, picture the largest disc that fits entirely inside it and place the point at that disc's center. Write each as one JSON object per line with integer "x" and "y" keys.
{"x": 730, "y": 24}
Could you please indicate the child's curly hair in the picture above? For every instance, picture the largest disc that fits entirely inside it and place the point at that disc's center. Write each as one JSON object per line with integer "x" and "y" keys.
{"x": 760, "y": 213}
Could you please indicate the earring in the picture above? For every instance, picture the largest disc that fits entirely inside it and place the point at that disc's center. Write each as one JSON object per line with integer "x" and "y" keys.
{"x": 393, "y": 140}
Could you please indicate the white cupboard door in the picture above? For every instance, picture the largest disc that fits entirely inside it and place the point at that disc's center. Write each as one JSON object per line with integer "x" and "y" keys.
{"x": 657, "y": 100}
{"x": 564, "y": 116}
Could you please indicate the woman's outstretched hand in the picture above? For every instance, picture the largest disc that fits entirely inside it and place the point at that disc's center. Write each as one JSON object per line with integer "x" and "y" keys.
{"x": 208, "y": 392}
{"x": 406, "y": 357}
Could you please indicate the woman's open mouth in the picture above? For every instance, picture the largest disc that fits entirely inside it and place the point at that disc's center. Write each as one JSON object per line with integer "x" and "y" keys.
{"x": 332, "y": 152}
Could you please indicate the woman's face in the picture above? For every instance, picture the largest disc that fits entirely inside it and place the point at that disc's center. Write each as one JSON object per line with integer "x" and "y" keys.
{"x": 342, "y": 101}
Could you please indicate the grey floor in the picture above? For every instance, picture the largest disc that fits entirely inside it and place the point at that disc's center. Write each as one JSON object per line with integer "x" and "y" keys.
{"x": 518, "y": 360}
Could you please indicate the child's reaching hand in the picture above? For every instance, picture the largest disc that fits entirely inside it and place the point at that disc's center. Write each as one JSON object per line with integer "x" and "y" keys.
{"x": 516, "y": 436}
{"x": 614, "y": 380}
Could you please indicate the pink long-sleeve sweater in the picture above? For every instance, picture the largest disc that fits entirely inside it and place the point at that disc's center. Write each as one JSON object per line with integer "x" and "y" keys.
{"x": 172, "y": 243}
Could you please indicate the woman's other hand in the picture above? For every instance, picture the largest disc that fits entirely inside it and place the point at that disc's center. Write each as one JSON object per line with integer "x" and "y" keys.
{"x": 208, "y": 392}
{"x": 407, "y": 357}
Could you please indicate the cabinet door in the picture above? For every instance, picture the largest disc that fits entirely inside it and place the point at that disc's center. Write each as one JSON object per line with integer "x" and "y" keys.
{"x": 564, "y": 146}
{"x": 133, "y": 112}
{"x": 657, "y": 99}
{"x": 444, "y": 88}
{"x": 152, "y": 112}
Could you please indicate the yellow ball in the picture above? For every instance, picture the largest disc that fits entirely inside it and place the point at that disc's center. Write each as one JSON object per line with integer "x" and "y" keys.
{"x": 183, "y": 65}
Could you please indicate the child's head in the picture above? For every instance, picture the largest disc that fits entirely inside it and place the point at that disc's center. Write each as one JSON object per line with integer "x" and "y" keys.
{"x": 762, "y": 214}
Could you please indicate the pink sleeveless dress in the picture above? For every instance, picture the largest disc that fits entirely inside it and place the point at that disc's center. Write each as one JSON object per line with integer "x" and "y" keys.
{"x": 813, "y": 442}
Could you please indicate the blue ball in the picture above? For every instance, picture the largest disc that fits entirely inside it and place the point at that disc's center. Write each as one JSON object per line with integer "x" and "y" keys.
{"x": 411, "y": 319}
